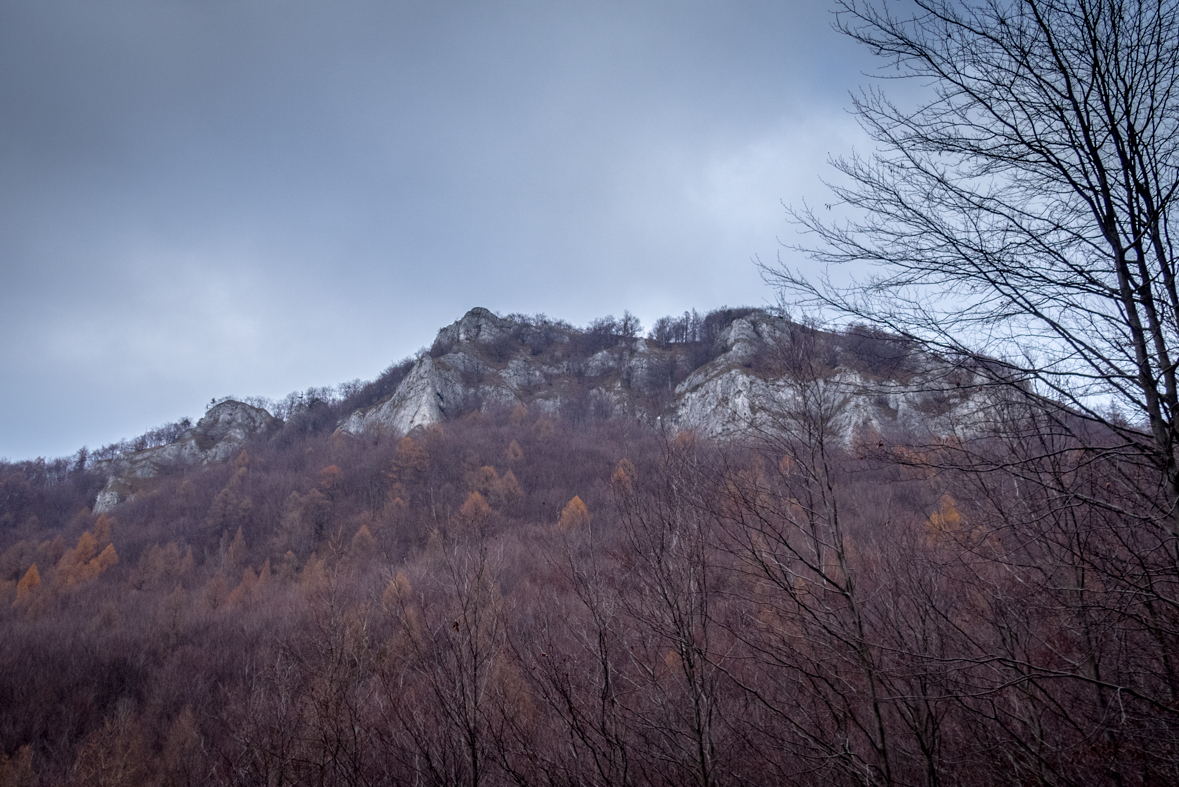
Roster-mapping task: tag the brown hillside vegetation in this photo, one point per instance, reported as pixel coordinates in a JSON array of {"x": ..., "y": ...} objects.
[{"x": 615, "y": 608}]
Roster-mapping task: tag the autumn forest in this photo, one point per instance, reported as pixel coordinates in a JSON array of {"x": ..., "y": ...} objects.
[
  {"x": 539, "y": 598},
  {"x": 919, "y": 526}
]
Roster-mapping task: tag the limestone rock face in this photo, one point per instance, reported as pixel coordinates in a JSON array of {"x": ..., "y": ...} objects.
[
  {"x": 420, "y": 400},
  {"x": 859, "y": 382},
  {"x": 746, "y": 337},
  {"x": 739, "y": 388},
  {"x": 483, "y": 360},
  {"x": 226, "y": 427},
  {"x": 721, "y": 405},
  {"x": 477, "y": 325},
  {"x": 736, "y": 403},
  {"x": 750, "y": 389},
  {"x": 470, "y": 371},
  {"x": 220, "y": 434}
]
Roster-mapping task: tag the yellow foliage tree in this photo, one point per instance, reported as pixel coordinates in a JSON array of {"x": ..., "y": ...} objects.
[
  {"x": 509, "y": 490},
  {"x": 82, "y": 563},
  {"x": 364, "y": 546},
  {"x": 395, "y": 505},
  {"x": 107, "y": 558},
  {"x": 27, "y": 585},
  {"x": 102, "y": 530},
  {"x": 329, "y": 479},
  {"x": 397, "y": 591},
  {"x": 944, "y": 522},
  {"x": 86, "y": 549},
  {"x": 515, "y": 453},
  {"x": 518, "y": 416},
  {"x": 623, "y": 479},
  {"x": 574, "y": 515},
  {"x": 235, "y": 555},
  {"x": 410, "y": 462},
  {"x": 313, "y": 577},
  {"x": 245, "y": 588},
  {"x": 485, "y": 480},
  {"x": 475, "y": 510}
]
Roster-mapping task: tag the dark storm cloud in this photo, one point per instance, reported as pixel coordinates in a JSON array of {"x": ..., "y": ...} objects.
[{"x": 200, "y": 198}]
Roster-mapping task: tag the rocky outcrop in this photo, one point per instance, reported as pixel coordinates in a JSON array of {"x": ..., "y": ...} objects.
[
  {"x": 422, "y": 398},
  {"x": 739, "y": 377},
  {"x": 483, "y": 360},
  {"x": 734, "y": 403},
  {"x": 850, "y": 381},
  {"x": 228, "y": 426},
  {"x": 478, "y": 325},
  {"x": 744, "y": 387},
  {"x": 225, "y": 428}
]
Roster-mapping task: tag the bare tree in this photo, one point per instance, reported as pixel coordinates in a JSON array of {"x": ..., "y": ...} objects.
[
  {"x": 1020, "y": 210},
  {"x": 443, "y": 678},
  {"x": 819, "y": 672},
  {"x": 671, "y": 590}
]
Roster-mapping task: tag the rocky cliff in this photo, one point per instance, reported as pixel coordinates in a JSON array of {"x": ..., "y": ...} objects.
[
  {"x": 225, "y": 428},
  {"x": 750, "y": 372},
  {"x": 750, "y": 377}
]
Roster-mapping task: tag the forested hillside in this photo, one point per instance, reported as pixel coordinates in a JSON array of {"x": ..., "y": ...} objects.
[
  {"x": 519, "y": 597},
  {"x": 927, "y": 536}
]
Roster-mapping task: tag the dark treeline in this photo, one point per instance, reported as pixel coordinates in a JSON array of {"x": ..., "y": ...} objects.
[{"x": 518, "y": 598}]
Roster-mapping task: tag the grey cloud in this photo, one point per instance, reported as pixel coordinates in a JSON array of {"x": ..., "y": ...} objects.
[{"x": 199, "y": 198}]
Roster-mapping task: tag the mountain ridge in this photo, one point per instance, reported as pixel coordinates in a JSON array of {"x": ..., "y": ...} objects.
[{"x": 732, "y": 374}]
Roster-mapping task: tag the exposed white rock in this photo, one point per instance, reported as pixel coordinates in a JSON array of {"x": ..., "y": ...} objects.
[
  {"x": 522, "y": 375},
  {"x": 482, "y": 361},
  {"x": 434, "y": 389},
  {"x": 226, "y": 427},
  {"x": 743, "y": 341},
  {"x": 736, "y": 402},
  {"x": 477, "y": 325},
  {"x": 220, "y": 434},
  {"x": 721, "y": 405},
  {"x": 603, "y": 362},
  {"x": 417, "y": 401},
  {"x": 107, "y": 499}
]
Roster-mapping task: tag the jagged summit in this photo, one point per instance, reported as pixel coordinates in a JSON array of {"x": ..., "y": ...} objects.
[{"x": 478, "y": 325}]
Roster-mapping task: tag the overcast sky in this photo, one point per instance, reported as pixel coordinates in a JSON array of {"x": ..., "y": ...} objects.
[{"x": 210, "y": 197}]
